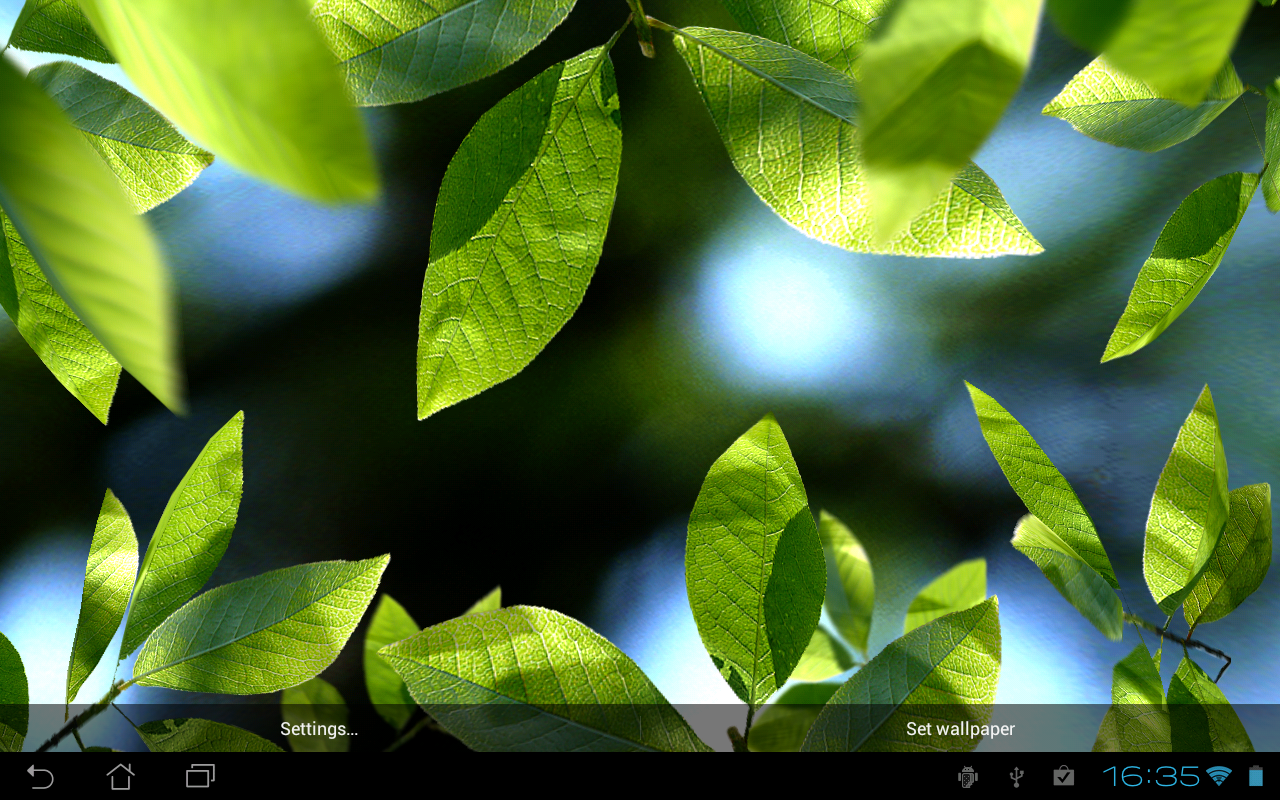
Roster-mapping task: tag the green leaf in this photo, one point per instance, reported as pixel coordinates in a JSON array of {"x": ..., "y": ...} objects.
[
  {"x": 825, "y": 657},
  {"x": 1240, "y": 560},
  {"x": 490, "y": 602},
  {"x": 1189, "y": 249},
  {"x": 1271, "y": 174},
  {"x": 1071, "y": 575},
  {"x": 192, "y": 534},
  {"x": 935, "y": 81},
  {"x": 753, "y": 564},
  {"x": 525, "y": 678},
  {"x": 963, "y": 586},
  {"x": 311, "y": 704},
  {"x": 1088, "y": 23},
  {"x": 1105, "y": 104},
  {"x": 261, "y": 634},
  {"x": 1200, "y": 718},
  {"x": 1189, "y": 509},
  {"x": 832, "y": 31},
  {"x": 1039, "y": 483},
  {"x": 54, "y": 332},
  {"x": 389, "y": 695},
  {"x": 201, "y": 736},
  {"x": 81, "y": 230},
  {"x": 250, "y": 79},
  {"x": 811, "y": 171},
  {"x": 57, "y": 26},
  {"x": 851, "y": 589},
  {"x": 108, "y": 580},
  {"x": 1138, "y": 721},
  {"x": 13, "y": 698},
  {"x": 782, "y": 725},
  {"x": 399, "y": 51},
  {"x": 948, "y": 669},
  {"x": 519, "y": 225},
  {"x": 152, "y": 161}
]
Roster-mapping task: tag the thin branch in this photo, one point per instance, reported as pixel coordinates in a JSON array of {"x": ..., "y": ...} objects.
[
  {"x": 643, "y": 32},
  {"x": 89, "y": 713},
  {"x": 1136, "y": 620},
  {"x": 425, "y": 722}
]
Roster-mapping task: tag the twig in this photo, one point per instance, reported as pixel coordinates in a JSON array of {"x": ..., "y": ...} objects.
[
  {"x": 1136, "y": 620},
  {"x": 89, "y": 713}
]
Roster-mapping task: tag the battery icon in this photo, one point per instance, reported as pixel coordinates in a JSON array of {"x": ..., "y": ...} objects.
[{"x": 1255, "y": 776}]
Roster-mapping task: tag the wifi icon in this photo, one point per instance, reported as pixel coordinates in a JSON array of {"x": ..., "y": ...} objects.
[{"x": 1219, "y": 774}]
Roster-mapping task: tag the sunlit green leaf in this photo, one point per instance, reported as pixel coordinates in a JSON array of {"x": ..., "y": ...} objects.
[
  {"x": 753, "y": 564},
  {"x": 851, "y": 589},
  {"x": 1240, "y": 560},
  {"x": 782, "y": 725},
  {"x": 519, "y": 225},
  {"x": 316, "y": 703},
  {"x": 1200, "y": 718},
  {"x": 108, "y": 580},
  {"x": 788, "y": 123},
  {"x": 201, "y": 736},
  {"x": 825, "y": 657},
  {"x": 832, "y": 31},
  {"x": 525, "y": 678},
  {"x": 152, "y": 161},
  {"x": 1138, "y": 721},
  {"x": 1038, "y": 482},
  {"x": 1189, "y": 509},
  {"x": 1105, "y": 104},
  {"x": 13, "y": 698},
  {"x": 57, "y": 26},
  {"x": 944, "y": 672},
  {"x": 490, "y": 602},
  {"x": 963, "y": 586},
  {"x": 250, "y": 79},
  {"x": 261, "y": 634},
  {"x": 81, "y": 230},
  {"x": 54, "y": 332},
  {"x": 399, "y": 51},
  {"x": 1071, "y": 575},
  {"x": 390, "y": 697},
  {"x": 1271, "y": 177},
  {"x": 1189, "y": 249},
  {"x": 192, "y": 534},
  {"x": 935, "y": 81}
]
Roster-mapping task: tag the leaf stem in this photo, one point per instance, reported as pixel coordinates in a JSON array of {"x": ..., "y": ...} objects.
[
  {"x": 643, "y": 31},
  {"x": 89, "y": 713},
  {"x": 1139, "y": 621},
  {"x": 426, "y": 722}
]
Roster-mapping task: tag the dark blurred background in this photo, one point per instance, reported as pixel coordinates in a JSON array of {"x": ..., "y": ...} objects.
[{"x": 571, "y": 484}]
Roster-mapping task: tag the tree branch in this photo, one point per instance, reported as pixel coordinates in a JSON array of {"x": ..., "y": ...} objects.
[
  {"x": 1142, "y": 623},
  {"x": 84, "y": 716}
]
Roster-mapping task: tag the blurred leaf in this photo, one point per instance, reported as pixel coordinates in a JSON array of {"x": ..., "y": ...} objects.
[
  {"x": 192, "y": 534},
  {"x": 935, "y": 81},
  {"x": 1189, "y": 509},
  {"x": 1271, "y": 175},
  {"x": 1240, "y": 560},
  {"x": 519, "y": 225},
  {"x": 74, "y": 218},
  {"x": 963, "y": 586},
  {"x": 753, "y": 564},
  {"x": 951, "y": 664},
  {"x": 1189, "y": 249},
  {"x": 1071, "y": 575},
  {"x": 261, "y": 634},
  {"x": 316, "y": 702},
  {"x": 13, "y": 698},
  {"x": 389, "y": 695},
  {"x": 761, "y": 91},
  {"x": 1088, "y": 23},
  {"x": 57, "y": 26},
  {"x": 200, "y": 736},
  {"x": 1039, "y": 483},
  {"x": 851, "y": 596},
  {"x": 1138, "y": 721},
  {"x": 250, "y": 79},
  {"x": 399, "y": 51},
  {"x": 490, "y": 602},
  {"x": 832, "y": 31},
  {"x": 147, "y": 155},
  {"x": 108, "y": 580},
  {"x": 1200, "y": 718},
  {"x": 1105, "y": 104},
  {"x": 54, "y": 332},
  {"x": 825, "y": 657},
  {"x": 782, "y": 725},
  {"x": 525, "y": 678}
]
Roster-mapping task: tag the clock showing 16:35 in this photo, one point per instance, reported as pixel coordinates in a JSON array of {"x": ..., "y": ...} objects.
[{"x": 1160, "y": 776}]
